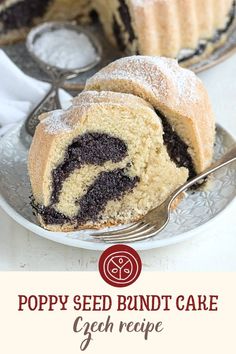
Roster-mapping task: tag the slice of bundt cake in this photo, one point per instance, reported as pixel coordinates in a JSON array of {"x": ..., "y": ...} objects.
[
  {"x": 113, "y": 156},
  {"x": 101, "y": 162}
]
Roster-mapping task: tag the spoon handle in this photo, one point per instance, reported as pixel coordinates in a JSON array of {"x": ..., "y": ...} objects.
[
  {"x": 50, "y": 101},
  {"x": 57, "y": 98},
  {"x": 225, "y": 160}
]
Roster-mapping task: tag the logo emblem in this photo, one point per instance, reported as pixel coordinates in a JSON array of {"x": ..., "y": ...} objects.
[{"x": 120, "y": 265}]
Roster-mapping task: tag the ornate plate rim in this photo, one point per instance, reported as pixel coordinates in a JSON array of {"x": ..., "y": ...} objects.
[{"x": 55, "y": 236}]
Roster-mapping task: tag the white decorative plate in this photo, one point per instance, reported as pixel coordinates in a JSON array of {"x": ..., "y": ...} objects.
[{"x": 191, "y": 216}]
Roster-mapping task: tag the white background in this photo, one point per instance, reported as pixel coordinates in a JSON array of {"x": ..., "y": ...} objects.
[{"x": 212, "y": 250}]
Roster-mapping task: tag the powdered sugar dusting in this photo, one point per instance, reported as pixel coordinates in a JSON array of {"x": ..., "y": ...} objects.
[
  {"x": 184, "y": 80},
  {"x": 56, "y": 122},
  {"x": 159, "y": 75},
  {"x": 65, "y": 49},
  {"x": 145, "y": 2}
]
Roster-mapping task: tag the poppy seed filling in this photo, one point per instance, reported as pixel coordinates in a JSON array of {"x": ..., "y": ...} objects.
[
  {"x": 109, "y": 185},
  {"x": 125, "y": 17},
  {"x": 22, "y": 14},
  {"x": 96, "y": 148},
  {"x": 176, "y": 147},
  {"x": 90, "y": 149},
  {"x": 87, "y": 149}
]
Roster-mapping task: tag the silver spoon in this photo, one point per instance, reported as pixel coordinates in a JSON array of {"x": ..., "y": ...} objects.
[
  {"x": 157, "y": 219},
  {"x": 56, "y": 74}
]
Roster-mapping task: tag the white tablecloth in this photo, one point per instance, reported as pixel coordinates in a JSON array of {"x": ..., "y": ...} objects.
[{"x": 213, "y": 250}]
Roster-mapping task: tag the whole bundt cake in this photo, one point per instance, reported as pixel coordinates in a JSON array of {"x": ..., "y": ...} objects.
[
  {"x": 141, "y": 128},
  {"x": 174, "y": 28}
]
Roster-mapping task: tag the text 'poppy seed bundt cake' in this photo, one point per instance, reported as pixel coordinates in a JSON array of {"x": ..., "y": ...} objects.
[
  {"x": 173, "y": 28},
  {"x": 141, "y": 128}
]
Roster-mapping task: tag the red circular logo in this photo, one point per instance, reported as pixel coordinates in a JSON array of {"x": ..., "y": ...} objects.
[{"x": 120, "y": 265}]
